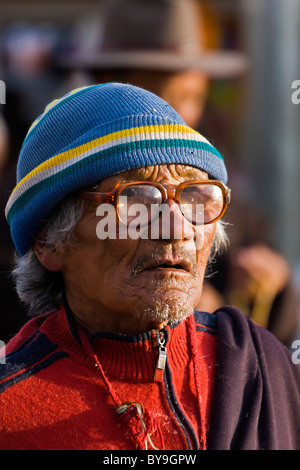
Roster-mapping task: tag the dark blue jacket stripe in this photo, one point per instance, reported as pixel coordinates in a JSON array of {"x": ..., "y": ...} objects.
[
  {"x": 206, "y": 319},
  {"x": 32, "y": 356},
  {"x": 32, "y": 370},
  {"x": 177, "y": 411},
  {"x": 22, "y": 346},
  {"x": 206, "y": 330}
]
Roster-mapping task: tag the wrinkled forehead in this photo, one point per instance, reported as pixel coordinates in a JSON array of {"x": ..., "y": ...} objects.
[{"x": 155, "y": 173}]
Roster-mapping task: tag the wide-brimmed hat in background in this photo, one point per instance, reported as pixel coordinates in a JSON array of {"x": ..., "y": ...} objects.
[{"x": 165, "y": 35}]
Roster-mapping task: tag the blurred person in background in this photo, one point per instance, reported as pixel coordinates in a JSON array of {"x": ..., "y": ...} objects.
[
  {"x": 31, "y": 80},
  {"x": 163, "y": 46},
  {"x": 159, "y": 45},
  {"x": 4, "y": 145}
]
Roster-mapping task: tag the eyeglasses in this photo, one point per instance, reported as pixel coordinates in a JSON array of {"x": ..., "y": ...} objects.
[{"x": 201, "y": 202}]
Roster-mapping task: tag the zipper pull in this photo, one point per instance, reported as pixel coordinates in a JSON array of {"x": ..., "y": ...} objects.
[{"x": 162, "y": 358}]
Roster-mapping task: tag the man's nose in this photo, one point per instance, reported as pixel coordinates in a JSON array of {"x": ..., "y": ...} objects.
[{"x": 171, "y": 224}]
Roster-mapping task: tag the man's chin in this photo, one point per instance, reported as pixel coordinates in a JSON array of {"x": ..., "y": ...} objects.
[{"x": 166, "y": 314}]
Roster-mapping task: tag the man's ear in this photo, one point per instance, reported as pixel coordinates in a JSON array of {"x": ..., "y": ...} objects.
[{"x": 49, "y": 257}]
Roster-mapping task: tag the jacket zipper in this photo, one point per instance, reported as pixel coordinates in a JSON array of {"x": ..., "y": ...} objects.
[
  {"x": 162, "y": 366},
  {"x": 162, "y": 357}
]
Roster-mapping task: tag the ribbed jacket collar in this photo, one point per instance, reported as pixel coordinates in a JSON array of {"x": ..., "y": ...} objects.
[{"x": 127, "y": 357}]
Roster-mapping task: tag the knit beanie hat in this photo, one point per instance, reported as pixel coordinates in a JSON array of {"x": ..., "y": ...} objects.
[{"x": 92, "y": 133}]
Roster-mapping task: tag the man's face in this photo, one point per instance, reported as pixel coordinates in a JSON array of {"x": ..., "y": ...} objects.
[{"x": 133, "y": 285}]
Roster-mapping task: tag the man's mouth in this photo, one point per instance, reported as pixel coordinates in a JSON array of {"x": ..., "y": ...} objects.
[
  {"x": 167, "y": 262},
  {"x": 170, "y": 265},
  {"x": 181, "y": 262}
]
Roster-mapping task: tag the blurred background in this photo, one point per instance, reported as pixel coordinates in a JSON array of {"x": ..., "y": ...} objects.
[{"x": 50, "y": 47}]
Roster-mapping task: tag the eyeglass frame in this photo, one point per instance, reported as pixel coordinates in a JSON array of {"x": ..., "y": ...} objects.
[{"x": 111, "y": 197}]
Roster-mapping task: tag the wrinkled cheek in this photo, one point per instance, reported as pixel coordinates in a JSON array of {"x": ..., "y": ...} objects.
[{"x": 202, "y": 238}]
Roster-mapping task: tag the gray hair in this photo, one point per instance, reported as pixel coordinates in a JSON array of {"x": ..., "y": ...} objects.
[{"x": 42, "y": 290}]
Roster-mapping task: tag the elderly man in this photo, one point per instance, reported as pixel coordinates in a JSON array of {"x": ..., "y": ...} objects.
[{"x": 115, "y": 215}]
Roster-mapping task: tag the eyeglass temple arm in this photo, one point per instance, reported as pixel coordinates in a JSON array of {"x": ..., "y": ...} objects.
[
  {"x": 96, "y": 196},
  {"x": 228, "y": 194}
]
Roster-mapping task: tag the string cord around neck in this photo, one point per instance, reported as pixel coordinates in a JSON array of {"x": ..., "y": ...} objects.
[{"x": 140, "y": 425}]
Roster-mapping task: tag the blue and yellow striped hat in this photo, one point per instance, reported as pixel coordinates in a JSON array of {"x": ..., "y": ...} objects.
[{"x": 92, "y": 133}]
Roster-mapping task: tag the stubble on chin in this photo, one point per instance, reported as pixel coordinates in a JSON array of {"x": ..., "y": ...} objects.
[
  {"x": 169, "y": 302},
  {"x": 165, "y": 314}
]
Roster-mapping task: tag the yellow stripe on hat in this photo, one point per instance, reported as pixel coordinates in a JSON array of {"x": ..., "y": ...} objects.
[{"x": 154, "y": 130}]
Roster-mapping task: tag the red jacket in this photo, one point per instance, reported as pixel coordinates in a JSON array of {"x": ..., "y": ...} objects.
[{"x": 53, "y": 395}]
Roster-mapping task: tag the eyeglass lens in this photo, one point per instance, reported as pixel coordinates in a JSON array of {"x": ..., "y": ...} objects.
[{"x": 200, "y": 203}]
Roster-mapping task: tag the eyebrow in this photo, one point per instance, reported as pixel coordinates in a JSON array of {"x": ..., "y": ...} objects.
[{"x": 146, "y": 172}]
